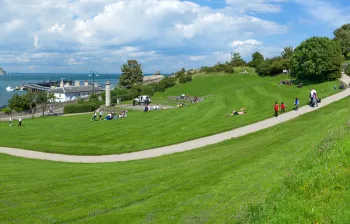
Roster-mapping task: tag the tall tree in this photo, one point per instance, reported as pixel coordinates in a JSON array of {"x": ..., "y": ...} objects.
[
  {"x": 317, "y": 58},
  {"x": 287, "y": 55},
  {"x": 257, "y": 58},
  {"x": 44, "y": 99},
  {"x": 342, "y": 35},
  {"x": 31, "y": 98},
  {"x": 237, "y": 60},
  {"x": 131, "y": 74}
]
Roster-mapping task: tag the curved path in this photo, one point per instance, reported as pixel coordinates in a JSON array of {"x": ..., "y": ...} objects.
[{"x": 181, "y": 147}]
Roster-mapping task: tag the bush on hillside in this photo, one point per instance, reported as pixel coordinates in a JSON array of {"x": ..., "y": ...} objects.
[
  {"x": 227, "y": 68},
  {"x": 18, "y": 103},
  {"x": 263, "y": 69},
  {"x": 147, "y": 90},
  {"x": 168, "y": 82},
  {"x": 114, "y": 99},
  {"x": 317, "y": 58},
  {"x": 80, "y": 108},
  {"x": 6, "y": 110},
  {"x": 182, "y": 79},
  {"x": 188, "y": 78},
  {"x": 347, "y": 71}
]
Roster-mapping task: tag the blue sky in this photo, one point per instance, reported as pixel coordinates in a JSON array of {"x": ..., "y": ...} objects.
[{"x": 165, "y": 35}]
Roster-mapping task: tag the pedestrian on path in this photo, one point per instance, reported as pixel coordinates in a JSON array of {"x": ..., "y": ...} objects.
[
  {"x": 94, "y": 117},
  {"x": 20, "y": 122},
  {"x": 283, "y": 107},
  {"x": 296, "y": 103},
  {"x": 276, "y": 109},
  {"x": 10, "y": 121}
]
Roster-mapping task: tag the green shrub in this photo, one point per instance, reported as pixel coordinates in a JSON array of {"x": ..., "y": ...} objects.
[
  {"x": 147, "y": 90},
  {"x": 6, "y": 110},
  {"x": 114, "y": 99},
  {"x": 182, "y": 79},
  {"x": 347, "y": 71},
  {"x": 80, "y": 108},
  {"x": 188, "y": 78}
]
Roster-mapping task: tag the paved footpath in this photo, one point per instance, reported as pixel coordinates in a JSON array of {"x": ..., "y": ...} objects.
[{"x": 181, "y": 147}]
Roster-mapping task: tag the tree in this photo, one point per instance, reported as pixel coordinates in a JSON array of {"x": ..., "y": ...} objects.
[
  {"x": 18, "y": 103},
  {"x": 257, "y": 58},
  {"x": 317, "y": 58},
  {"x": 31, "y": 99},
  {"x": 44, "y": 99},
  {"x": 342, "y": 35},
  {"x": 287, "y": 55},
  {"x": 131, "y": 74},
  {"x": 237, "y": 60},
  {"x": 263, "y": 69}
]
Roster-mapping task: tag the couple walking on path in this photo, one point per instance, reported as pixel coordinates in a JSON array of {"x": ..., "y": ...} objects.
[{"x": 276, "y": 107}]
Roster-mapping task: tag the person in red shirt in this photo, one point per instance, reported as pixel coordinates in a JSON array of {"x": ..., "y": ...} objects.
[
  {"x": 283, "y": 107},
  {"x": 276, "y": 109}
]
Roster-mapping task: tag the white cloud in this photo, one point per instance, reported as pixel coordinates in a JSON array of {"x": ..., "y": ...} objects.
[
  {"x": 105, "y": 33},
  {"x": 197, "y": 58},
  {"x": 13, "y": 25},
  {"x": 261, "y": 6},
  {"x": 57, "y": 28},
  {"x": 238, "y": 43},
  {"x": 327, "y": 11},
  {"x": 36, "y": 41}
]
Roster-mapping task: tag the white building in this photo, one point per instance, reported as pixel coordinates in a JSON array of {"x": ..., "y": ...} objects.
[{"x": 69, "y": 93}]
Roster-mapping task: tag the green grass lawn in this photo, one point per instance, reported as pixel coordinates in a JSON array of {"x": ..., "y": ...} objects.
[
  {"x": 224, "y": 93},
  {"x": 207, "y": 185}
]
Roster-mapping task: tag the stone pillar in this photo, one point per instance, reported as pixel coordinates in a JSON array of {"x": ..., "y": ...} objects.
[{"x": 108, "y": 93}]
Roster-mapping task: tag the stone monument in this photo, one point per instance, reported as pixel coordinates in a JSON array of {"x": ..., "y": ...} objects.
[{"x": 108, "y": 93}]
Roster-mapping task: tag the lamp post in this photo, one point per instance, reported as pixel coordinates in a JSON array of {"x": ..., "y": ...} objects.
[{"x": 93, "y": 80}]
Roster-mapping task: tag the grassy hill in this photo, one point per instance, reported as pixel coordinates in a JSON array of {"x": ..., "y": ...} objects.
[
  {"x": 223, "y": 93},
  {"x": 213, "y": 184}
]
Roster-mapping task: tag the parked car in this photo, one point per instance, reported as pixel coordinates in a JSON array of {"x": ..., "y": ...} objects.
[{"x": 142, "y": 100}]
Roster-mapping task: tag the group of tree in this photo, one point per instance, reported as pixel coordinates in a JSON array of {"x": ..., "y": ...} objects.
[
  {"x": 30, "y": 101},
  {"x": 227, "y": 67},
  {"x": 272, "y": 66},
  {"x": 316, "y": 58},
  {"x": 183, "y": 76},
  {"x": 131, "y": 83}
]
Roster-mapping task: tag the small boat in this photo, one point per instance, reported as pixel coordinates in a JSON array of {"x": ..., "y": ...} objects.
[{"x": 9, "y": 89}]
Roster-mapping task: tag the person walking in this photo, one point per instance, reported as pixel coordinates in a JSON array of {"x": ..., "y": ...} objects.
[
  {"x": 101, "y": 113},
  {"x": 20, "y": 122},
  {"x": 283, "y": 107},
  {"x": 10, "y": 121},
  {"x": 94, "y": 117},
  {"x": 296, "y": 103},
  {"x": 276, "y": 109}
]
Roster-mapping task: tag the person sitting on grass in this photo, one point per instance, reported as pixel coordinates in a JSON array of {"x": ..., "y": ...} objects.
[{"x": 240, "y": 112}]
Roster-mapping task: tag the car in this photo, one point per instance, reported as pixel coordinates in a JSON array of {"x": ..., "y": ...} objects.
[{"x": 145, "y": 99}]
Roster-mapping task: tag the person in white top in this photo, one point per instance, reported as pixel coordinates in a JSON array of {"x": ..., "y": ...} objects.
[
  {"x": 101, "y": 113},
  {"x": 312, "y": 93},
  {"x": 154, "y": 108},
  {"x": 10, "y": 121},
  {"x": 157, "y": 107},
  {"x": 20, "y": 122}
]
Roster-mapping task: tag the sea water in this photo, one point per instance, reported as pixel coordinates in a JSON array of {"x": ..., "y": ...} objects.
[{"x": 18, "y": 79}]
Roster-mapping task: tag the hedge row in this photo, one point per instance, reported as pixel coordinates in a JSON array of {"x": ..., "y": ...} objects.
[{"x": 80, "y": 108}]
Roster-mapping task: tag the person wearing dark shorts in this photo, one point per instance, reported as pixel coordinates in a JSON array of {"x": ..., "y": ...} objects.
[
  {"x": 20, "y": 122},
  {"x": 100, "y": 115},
  {"x": 276, "y": 109}
]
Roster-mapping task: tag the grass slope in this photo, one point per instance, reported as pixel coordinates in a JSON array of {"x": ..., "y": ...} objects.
[
  {"x": 210, "y": 184},
  {"x": 77, "y": 135},
  {"x": 315, "y": 191}
]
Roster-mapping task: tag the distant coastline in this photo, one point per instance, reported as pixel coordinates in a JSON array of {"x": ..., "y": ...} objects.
[{"x": 2, "y": 72}]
